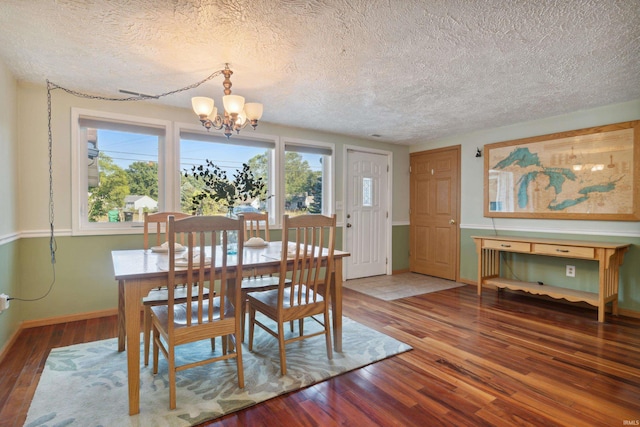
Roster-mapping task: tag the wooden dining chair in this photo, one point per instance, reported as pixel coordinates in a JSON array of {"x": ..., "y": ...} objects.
[
  {"x": 256, "y": 224},
  {"x": 202, "y": 316},
  {"x": 312, "y": 239},
  {"x": 155, "y": 230}
]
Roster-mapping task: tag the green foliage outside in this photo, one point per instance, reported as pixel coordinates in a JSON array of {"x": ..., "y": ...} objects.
[
  {"x": 111, "y": 191},
  {"x": 300, "y": 180},
  {"x": 115, "y": 183},
  {"x": 143, "y": 179},
  {"x": 316, "y": 191},
  {"x": 214, "y": 192}
]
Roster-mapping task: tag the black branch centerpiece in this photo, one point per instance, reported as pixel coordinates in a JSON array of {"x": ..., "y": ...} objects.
[{"x": 244, "y": 187}]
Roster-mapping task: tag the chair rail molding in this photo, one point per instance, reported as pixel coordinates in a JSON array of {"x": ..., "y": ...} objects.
[{"x": 553, "y": 230}]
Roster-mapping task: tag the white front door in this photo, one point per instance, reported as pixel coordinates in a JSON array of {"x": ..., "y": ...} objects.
[{"x": 367, "y": 214}]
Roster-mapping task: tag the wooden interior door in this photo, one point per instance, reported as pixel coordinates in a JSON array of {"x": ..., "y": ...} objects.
[{"x": 434, "y": 212}]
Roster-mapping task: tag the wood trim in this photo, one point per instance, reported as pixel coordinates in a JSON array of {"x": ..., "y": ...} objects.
[
  {"x": 53, "y": 321},
  {"x": 468, "y": 281},
  {"x": 629, "y": 313},
  {"x": 404, "y": 270},
  {"x": 68, "y": 318},
  {"x": 12, "y": 339},
  {"x": 621, "y": 311}
]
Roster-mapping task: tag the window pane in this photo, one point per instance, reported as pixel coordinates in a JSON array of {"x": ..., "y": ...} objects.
[
  {"x": 229, "y": 158},
  {"x": 367, "y": 189},
  {"x": 304, "y": 180},
  {"x": 122, "y": 174}
]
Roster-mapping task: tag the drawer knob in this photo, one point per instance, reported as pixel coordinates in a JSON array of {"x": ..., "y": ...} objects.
[
  {"x": 562, "y": 250},
  {"x": 503, "y": 245}
]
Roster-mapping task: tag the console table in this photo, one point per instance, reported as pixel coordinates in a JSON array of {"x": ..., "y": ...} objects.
[{"x": 608, "y": 255}]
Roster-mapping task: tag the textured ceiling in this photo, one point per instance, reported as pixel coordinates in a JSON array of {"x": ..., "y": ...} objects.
[{"x": 408, "y": 70}]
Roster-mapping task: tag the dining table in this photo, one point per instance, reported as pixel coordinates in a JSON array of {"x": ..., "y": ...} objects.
[{"x": 138, "y": 271}]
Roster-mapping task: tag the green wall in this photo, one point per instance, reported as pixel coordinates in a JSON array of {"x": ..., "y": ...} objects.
[
  {"x": 9, "y": 319},
  {"x": 400, "y": 248},
  {"x": 84, "y": 274}
]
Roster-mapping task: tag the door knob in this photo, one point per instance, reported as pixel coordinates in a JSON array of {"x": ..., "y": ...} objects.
[
  {"x": 452, "y": 221},
  {"x": 348, "y": 225}
]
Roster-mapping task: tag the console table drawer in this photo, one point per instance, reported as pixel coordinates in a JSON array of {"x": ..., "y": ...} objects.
[
  {"x": 505, "y": 245},
  {"x": 568, "y": 251}
]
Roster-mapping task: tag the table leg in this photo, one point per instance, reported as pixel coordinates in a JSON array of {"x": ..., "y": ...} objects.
[
  {"x": 121, "y": 317},
  {"x": 336, "y": 304},
  {"x": 133, "y": 296}
]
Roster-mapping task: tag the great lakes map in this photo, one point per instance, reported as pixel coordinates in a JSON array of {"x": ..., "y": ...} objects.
[{"x": 581, "y": 174}]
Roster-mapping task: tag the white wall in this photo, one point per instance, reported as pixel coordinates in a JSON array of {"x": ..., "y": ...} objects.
[
  {"x": 473, "y": 170},
  {"x": 8, "y": 156}
]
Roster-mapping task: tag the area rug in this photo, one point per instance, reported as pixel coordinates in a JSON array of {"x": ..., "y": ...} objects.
[
  {"x": 86, "y": 384},
  {"x": 390, "y": 288}
]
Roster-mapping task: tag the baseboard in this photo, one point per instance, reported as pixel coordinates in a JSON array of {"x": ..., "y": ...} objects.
[
  {"x": 68, "y": 318},
  {"x": 394, "y": 272},
  {"x": 629, "y": 313},
  {"x": 621, "y": 311},
  {"x": 14, "y": 337}
]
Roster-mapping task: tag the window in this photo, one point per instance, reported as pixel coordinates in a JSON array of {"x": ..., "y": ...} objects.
[
  {"x": 124, "y": 166},
  {"x": 308, "y": 177},
  {"x": 116, "y": 170},
  {"x": 367, "y": 190},
  {"x": 229, "y": 155}
]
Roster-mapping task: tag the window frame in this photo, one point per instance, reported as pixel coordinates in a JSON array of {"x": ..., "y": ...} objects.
[
  {"x": 328, "y": 173},
  {"x": 80, "y": 225},
  {"x": 169, "y": 169}
]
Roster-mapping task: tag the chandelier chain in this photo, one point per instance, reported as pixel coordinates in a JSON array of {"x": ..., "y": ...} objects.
[{"x": 140, "y": 97}]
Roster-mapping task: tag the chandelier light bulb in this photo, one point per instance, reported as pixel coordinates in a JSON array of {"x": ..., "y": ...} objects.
[
  {"x": 233, "y": 104},
  {"x": 242, "y": 117},
  {"x": 202, "y": 106},
  {"x": 253, "y": 110}
]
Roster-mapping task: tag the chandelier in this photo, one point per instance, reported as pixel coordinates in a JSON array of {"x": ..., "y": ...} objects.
[{"x": 237, "y": 114}]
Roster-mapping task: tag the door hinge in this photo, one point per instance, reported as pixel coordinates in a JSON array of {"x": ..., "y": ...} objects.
[
  {"x": 386, "y": 261},
  {"x": 409, "y": 169}
]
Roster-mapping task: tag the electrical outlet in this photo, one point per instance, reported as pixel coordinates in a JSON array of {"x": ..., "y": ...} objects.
[
  {"x": 4, "y": 302},
  {"x": 571, "y": 271}
]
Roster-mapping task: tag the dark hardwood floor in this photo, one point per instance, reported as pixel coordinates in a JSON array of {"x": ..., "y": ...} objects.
[{"x": 505, "y": 359}]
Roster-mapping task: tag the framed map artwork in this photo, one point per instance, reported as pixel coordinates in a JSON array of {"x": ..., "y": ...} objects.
[{"x": 589, "y": 174}]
